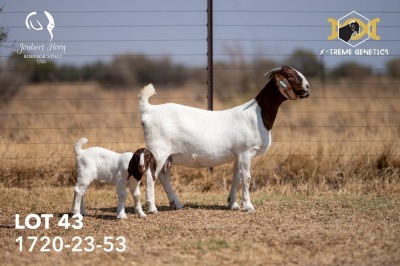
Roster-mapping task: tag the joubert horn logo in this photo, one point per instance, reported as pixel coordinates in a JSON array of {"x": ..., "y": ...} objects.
[
  {"x": 354, "y": 29},
  {"x": 50, "y": 24}
]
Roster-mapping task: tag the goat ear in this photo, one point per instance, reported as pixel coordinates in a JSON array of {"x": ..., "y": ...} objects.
[
  {"x": 153, "y": 167},
  {"x": 284, "y": 87},
  {"x": 132, "y": 165}
]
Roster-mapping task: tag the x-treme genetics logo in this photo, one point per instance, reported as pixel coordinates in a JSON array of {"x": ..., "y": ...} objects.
[{"x": 354, "y": 29}]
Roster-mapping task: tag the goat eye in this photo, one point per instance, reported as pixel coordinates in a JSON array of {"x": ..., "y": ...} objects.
[{"x": 292, "y": 78}]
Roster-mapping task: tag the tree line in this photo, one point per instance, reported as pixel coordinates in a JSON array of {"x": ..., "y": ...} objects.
[{"x": 128, "y": 70}]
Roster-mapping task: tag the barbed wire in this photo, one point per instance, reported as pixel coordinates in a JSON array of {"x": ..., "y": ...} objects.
[
  {"x": 137, "y": 113},
  {"x": 140, "y": 127},
  {"x": 275, "y": 141},
  {"x": 268, "y": 155},
  {"x": 185, "y": 98},
  {"x": 195, "y": 25},
  {"x": 266, "y": 55},
  {"x": 203, "y": 11},
  {"x": 224, "y": 83},
  {"x": 219, "y": 67}
]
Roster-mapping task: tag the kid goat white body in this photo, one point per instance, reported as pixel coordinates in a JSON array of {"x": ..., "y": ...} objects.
[
  {"x": 122, "y": 170},
  {"x": 200, "y": 138}
]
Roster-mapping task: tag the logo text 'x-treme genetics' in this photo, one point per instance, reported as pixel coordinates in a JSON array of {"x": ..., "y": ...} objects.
[{"x": 354, "y": 29}]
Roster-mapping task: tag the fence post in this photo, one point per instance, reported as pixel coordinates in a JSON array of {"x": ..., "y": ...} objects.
[{"x": 210, "y": 80}]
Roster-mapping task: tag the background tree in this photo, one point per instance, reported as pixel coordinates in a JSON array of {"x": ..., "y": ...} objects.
[
  {"x": 10, "y": 80},
  {"x": 393, "y": 67},
  {"x": 352, "y": 70},
  {"x": 305, "y": 61},
  {"x": 3, "y": 33}
]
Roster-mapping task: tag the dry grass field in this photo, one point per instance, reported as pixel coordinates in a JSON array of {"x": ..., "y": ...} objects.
[
  {"x": 327, "y": 192},
  {"x": 287, "y": 228}
]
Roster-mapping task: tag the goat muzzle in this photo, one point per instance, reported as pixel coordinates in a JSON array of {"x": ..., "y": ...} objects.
[
  {"x": 305, "y": 95},
  {"x": 305, "y": 92},
  {"x": 142, "y": 169}
]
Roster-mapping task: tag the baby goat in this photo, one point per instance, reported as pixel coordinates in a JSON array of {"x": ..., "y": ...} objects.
[
  {"x": 106, "y": 166},
  {"x": 199, "y": 138}
]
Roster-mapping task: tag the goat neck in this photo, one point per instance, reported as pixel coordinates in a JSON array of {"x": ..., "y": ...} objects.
[{"x": 269, "y": 99}]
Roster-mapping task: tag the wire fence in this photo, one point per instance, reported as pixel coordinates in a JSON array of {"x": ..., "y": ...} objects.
[{"x": 193, "y": 48}]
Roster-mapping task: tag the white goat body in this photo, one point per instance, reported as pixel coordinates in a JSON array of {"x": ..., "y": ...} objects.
[
  {"x": 200, "y": 138},
  {"x": 109, "y": 167}
]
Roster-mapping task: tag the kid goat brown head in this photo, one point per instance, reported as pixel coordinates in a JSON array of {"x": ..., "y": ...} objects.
[{"x": 142, "y": 160}]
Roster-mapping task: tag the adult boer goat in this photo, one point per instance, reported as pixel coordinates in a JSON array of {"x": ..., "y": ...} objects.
[{"x": 192, "y": 137}]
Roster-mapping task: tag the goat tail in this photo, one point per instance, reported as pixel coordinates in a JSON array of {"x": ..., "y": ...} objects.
[
  {"x": 78, "y": 146},
  {"x": 145, "y": 94}
]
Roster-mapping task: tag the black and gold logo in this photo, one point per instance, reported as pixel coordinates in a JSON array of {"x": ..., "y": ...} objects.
[{"x": 354, "y": 29}]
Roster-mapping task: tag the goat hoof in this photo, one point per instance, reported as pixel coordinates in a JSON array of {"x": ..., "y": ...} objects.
[
  {"x": 141, "y": 215},
  {"x": 234, "y": 206},
  {"x": 153, "y": 210},
  {"x": 180, "y": 206},
  {"x": 83, "y": 213},
  {"x": 151, "y": 207},
  {"x": 248, "y": 207},
  {"x": 177, "y": 205},
  {"x": 122, "y": 216}
]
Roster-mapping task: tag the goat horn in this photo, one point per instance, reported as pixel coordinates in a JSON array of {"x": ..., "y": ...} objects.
[{"x": 272, "y": 70}]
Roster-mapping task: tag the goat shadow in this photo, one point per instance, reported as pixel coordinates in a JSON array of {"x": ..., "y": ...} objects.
[
  {"x": 212, "y": 207},
  {"x": 162, "y": 208},
  {"x": 104, "y": 213},
  {"x": 100, "y": 213},
  {"x": 110, "y": 213},
  {"x": 97, "y": 216}
]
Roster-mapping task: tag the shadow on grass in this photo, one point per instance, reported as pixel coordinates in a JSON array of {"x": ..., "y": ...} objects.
[
  {"x": 205, "y": 207},
  {"x": 163, "y": 208},
  {"x": 7, "y": 226},
  {"x": 96, "y": 215},
  {"x": 113, "y": 210},
  {"x": 110, "y": 213}
]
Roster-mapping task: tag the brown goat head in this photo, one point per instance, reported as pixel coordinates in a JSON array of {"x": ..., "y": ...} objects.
[
  {"x": 142, "y": 160},
  {"x": 290, "y": 82}
]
